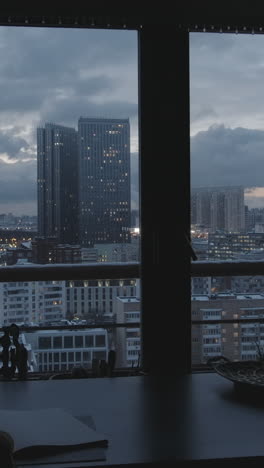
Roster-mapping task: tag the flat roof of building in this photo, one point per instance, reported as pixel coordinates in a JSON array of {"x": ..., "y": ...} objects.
[
  {"x": 128, "y": 299},
  {"x": 206, "y": 297}
]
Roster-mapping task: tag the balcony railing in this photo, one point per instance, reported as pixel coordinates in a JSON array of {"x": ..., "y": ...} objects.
[
  {"x": 226, "y": 268},
  {"x": 66, "y": 271}
]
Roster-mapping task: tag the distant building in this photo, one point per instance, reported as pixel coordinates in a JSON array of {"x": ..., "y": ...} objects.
[
  {"x": 127, "y": 252},
  {"x": 201, "y": 285},
  {"x": 104, "y": 180},
  {"x": 224, "y": 246},
  {"x": 48, "y": 250},
  {"x": 236, "y": 341},
  {"x": 95, "y": 298},
  {"x": 89, "y": 255},
  {"x": 15, "y": 254},
  {"x": 127, "y": 340},
  {"x": 58, "y": 350},
  {"x": 57, "y": 160},
  {"x": 218, "y": 208},
  {"x": 200, "y": 247},
  {"x": 32, "y": 302}
]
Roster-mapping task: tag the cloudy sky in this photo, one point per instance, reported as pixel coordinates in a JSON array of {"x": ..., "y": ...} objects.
[
  {"x": 58, "y": 75},
  {"x": 227, "y": 112}
]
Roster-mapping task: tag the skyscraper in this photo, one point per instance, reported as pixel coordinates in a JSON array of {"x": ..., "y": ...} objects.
[
  {"x": 58, "y": 183},
  {"x": 219, "y": 208},
  {"x": 104, "y": 180}
]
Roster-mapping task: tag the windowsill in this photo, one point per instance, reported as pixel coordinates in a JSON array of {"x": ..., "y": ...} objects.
[{"x": 194, "y": 418}]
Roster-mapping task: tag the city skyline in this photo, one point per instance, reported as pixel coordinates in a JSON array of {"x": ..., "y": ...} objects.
[{"x": 100, "y": 80}]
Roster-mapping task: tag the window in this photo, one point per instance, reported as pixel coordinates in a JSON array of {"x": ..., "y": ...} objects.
[
  {"x": 99, "y": 340},
  {"x": 175, "y": 92},
  {"x": 89, "y": 341},
  {"x": 44, "y": 342},
  {"x": 99, "y": 355},
  {"x": 78, "y": 341},
  {"x": 57, "y": 342},
  {"x": 68, "y": 342},
  {"x": 67, "y": 110}
]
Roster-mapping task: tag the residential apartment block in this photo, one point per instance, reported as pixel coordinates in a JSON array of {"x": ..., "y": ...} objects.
[
  {"x": 236, "y": 341},
  {"x": 127, "y": 340},
  {"x": 95, "y": 298},
  {"x": 35, "y": 301}
]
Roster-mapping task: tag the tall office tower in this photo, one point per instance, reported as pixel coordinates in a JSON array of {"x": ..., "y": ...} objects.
[
  {"x": 104, "y": 180},
  {"x": 58, "y": 183}
]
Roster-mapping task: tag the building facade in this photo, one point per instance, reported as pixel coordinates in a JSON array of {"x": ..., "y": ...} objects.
[
  {"x": 127, "y": 340},
  {"x": 58, "y": 350},
  {"x": 235, "y": 246},
  {"x": 104, "y": 180},
  {"x": 32, "y": 302},
  {"x": 236, "y": 341},
  {"x": 57, "y": 159},
  {"x": 95, "y": 298},
  {"x": 218, "y": 208}
]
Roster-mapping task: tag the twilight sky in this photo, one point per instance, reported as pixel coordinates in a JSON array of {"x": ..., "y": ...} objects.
[{"x": 58, "y": 75}]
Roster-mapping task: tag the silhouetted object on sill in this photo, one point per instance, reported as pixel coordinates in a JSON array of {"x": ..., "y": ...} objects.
[
  {"x": 79, "y": 372},
  {"x": 22, "y": 360},
  {"x": 5, "y": 343},
  {"x": 111, "y": 362},
  {"x": 14, "y": 331},
  {"x": 6, "y": 450},
  {"x": 102, "y": 368},
  {"x": 13, "y": 360},
  {"x": 95, "y": 367}
]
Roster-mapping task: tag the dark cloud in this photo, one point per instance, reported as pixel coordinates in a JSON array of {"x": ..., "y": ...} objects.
[
  {"x": 68, "y": 111},
  {"x": 18, "y": 182},
  {"x": 226, "y": 156},
  {"x": 13, "y": 145},
  {"x": 226, "y": 79},
  {"x": 41, "y": 65}
]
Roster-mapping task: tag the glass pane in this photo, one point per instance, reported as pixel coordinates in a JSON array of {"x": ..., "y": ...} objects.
[
  {"x": 227, "y": 143},
  {"x": 79, "y": 341},
  {"x": 57, "y": 342},
  {"x": 69, "y": 146}
]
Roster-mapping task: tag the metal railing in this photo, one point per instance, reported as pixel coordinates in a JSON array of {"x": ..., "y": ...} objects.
[
  {"x": 64, "y": 271},
  {"x": 202, "y": 268}
]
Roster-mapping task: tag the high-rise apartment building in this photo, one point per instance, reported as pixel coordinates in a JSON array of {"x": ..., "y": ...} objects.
[
  {"x": 104, "y": 180},
  {"x": 218, "y": 208},
  {"x": 127, "y": 340},
  {"x": 35, "y": 301},
  {"x": 237, "y": 341},
  {"x": 58, "y": 183}
]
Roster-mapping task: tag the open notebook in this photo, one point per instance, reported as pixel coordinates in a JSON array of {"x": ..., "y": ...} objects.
[{"x": 51, "y": 430}]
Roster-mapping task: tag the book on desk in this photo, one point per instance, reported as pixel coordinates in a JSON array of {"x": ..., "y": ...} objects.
[{"x": 51, "y": 434}]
